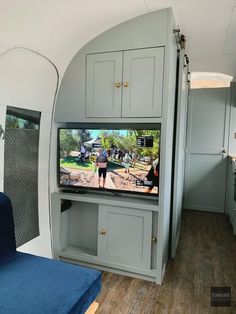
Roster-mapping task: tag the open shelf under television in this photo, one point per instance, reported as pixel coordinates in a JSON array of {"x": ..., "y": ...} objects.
[
  {"x": 76, "y": 250},
  {"x": 144, "y": 203}
]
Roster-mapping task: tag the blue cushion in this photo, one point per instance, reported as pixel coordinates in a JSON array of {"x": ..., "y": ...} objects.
[
  {"x": 7, "y": 234},
  {"x": 36, "y": 285}
]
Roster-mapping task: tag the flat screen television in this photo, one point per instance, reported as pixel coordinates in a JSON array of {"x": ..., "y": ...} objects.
[{"x": 112, "y": 160}]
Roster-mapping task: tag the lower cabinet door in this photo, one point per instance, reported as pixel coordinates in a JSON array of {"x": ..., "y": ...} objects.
[{"x": 125, "y": 236}]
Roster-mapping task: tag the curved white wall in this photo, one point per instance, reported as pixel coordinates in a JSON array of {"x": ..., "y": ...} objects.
[{"x": 29, "y": 80}]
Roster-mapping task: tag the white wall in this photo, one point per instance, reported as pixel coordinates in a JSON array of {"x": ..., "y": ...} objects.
[{"x": 29, "y": 80}]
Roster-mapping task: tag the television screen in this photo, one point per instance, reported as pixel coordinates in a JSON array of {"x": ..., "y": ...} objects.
[{"x": 118, "y": 160}]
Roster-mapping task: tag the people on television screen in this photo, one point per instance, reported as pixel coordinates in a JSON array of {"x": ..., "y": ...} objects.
[
  {"x": 153, "y": 175},
  {"x": 82, "y": 153},
  {"x": 101, "y": 165},
  {"x": 126, "y": 162}
]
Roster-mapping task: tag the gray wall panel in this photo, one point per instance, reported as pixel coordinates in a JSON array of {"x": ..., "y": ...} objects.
[{"x": 21, "y": 181}]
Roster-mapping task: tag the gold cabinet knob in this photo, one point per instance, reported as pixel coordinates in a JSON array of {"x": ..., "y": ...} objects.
[
  {"x": 118, "y": 84},
  {"x": 126, "y": 84},
  {"x": 103, "y": 232},
  {"x": 154, "y": 239}
]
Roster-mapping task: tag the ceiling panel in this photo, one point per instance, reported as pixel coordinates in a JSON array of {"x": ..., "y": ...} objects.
[
  {"x": 230, "y": 42},
  {"x": 58, "y": 29},
  {"x": 200, "y": 39},
  {"x": 205, "y": 64},
  {"x": 189, "y": 4},
  {"x": 205, "y": 32},
  {"x": 205, "y": 25},
  {"x": 228, "y": 65}
]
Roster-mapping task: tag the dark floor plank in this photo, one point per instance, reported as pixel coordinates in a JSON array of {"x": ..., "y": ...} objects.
[{"x": 206, "y": 257}]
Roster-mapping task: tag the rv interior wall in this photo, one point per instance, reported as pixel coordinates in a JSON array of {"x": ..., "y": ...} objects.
[{"x": 28, "y": 80}]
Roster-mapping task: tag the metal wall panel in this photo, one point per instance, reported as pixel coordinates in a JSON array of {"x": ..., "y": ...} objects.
[{"x": 21, "y": 180}]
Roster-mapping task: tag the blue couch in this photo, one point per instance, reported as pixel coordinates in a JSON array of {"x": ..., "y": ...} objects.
[{"x": 31, "y": 284}]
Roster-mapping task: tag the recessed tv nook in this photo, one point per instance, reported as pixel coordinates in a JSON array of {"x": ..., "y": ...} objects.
[{"x": 111, "y": 159}]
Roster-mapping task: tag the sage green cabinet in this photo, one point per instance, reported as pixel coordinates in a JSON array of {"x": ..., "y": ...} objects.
[
  {"x": 103, "y": 71},
  {"x": 117, "y": 234},
  {"x": 125, "y": 236},
  {"x": 142, "y": 82},
  {"x": 125, "y": 84}
]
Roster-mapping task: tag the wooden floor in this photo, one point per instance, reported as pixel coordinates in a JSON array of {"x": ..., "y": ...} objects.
[{"x": 206, "y": 257}]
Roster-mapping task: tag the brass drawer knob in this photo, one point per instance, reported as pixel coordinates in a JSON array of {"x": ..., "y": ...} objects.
[
  {"x": 118, "y": 84},
  {"x": 126, "y": 84},
  {"x": 103, "y": 231}
]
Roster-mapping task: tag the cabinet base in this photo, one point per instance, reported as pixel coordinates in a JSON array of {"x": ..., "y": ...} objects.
[{"x": 150, "y": 277}]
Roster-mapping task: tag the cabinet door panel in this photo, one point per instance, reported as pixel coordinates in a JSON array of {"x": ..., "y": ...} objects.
[
  {"x": 103, "y": 98},
  {"x": 127, "y": 238},
  {"x": 143, "y": 71}
]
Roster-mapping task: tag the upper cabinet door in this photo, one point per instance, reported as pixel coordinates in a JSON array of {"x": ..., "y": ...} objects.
[
  {"x": 104, "y": 85},
  {"x": 142, "y": 82}
]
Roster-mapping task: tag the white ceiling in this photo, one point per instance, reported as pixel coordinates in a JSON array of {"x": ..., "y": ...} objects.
[{"x": 59, "y": 28}]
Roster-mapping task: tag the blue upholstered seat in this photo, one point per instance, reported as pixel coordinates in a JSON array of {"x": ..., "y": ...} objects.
[
  {"x": 7, "y": 233},
  {"x": 36, "y": 285}
]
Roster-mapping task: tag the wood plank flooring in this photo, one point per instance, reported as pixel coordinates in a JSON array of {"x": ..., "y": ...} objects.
[{"x": 206, "y": 257}]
